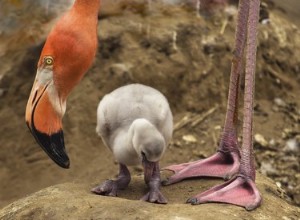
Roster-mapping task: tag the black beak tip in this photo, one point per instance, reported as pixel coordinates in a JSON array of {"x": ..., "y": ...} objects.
[
  {"x": 63, "y": 163},
  {"x": 54, "y": 146}
]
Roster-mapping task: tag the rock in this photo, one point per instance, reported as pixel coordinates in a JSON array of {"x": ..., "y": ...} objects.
[
  {"x": 14, "y": 14},
  {"x": 189, "y": 138},
  {"x": 292, "y": 146},
  {"x": 272, "y": 143},
  {"x": 260, "y": 140},
  {"x": 278, "y": 184},
  {"x": 279, "y": 102},
  {"x": 121, "y": 70},
  {"x": 267, "y": 169},
  {"x": 289, "y": 133},
  {"x": 74, "y": 201}
]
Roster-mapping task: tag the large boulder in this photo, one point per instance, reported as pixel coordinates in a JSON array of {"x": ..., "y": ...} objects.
[{"x": 74, "y": 201}]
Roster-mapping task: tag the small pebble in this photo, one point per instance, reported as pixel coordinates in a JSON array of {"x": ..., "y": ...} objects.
[
  {"x": 279, "y": 102},
  {"x": 272, "y": 143},
  {"x": 218, "y": 127},
  {"x": 189, "y": 138},
  {"x": 191, "y": 189},
  {"x": 120, "y": 70},
  {"x": 278, "y": 184},
  {"x": 260, "y": 140},
  {"x": 268, "y": 169},
  {"x": 292, "y": 146}
]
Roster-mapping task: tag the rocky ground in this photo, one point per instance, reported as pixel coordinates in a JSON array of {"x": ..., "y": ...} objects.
[
  {"x": 185, "y": 56},
  {"x": 73, "y": 201}
]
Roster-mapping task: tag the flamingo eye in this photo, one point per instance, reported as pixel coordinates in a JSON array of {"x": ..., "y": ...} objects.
[{"x": 48, "y": 61}]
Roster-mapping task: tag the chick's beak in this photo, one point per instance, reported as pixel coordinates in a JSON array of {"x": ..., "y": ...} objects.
[{"x": 44, "y": 120}]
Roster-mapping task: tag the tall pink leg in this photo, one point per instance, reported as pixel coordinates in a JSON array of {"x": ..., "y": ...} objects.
[
  {"x": 224, "y": 163},
  {"x": 242, "y": 190}
]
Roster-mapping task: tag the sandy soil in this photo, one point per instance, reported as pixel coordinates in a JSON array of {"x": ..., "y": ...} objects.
[
  {"x": 188, "y": 59},
  {"x": 290, "y": 9}
]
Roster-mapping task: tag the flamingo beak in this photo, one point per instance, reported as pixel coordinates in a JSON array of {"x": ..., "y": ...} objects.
[{"x": 44, "y": 113}]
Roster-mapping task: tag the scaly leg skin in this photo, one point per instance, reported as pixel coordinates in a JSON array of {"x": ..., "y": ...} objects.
[
  {"x": 111, "y": 187},
  {"x": 242, "y": 190},
  {"x": 152, "y": 179}
]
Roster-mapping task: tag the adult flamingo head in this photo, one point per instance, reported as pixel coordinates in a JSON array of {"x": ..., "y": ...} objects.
[{"x": 67, "y": 55}]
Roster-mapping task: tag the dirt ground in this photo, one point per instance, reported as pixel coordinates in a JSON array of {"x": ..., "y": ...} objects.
[{"x": 187, "y": 58}]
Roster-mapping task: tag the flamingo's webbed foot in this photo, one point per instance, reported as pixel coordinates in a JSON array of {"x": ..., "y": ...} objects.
[
  {"x": 155, "y": 196},
  {"x": 240, "y": 191},
  {"x": 108, "y": 188},
  {"x": 223, "y": 165},
  {"x": 111, "y": 187}
]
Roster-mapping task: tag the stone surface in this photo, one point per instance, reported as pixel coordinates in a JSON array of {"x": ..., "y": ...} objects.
[{"x": 74, "y": 201}]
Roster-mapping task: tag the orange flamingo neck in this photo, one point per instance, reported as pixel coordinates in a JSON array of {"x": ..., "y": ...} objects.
[{"x": 87, "y": 7}]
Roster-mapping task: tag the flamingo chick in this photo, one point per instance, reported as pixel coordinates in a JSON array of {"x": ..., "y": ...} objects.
[
  {"x": 135, "y": 122},
  {"x": 67, "y": 55}
]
